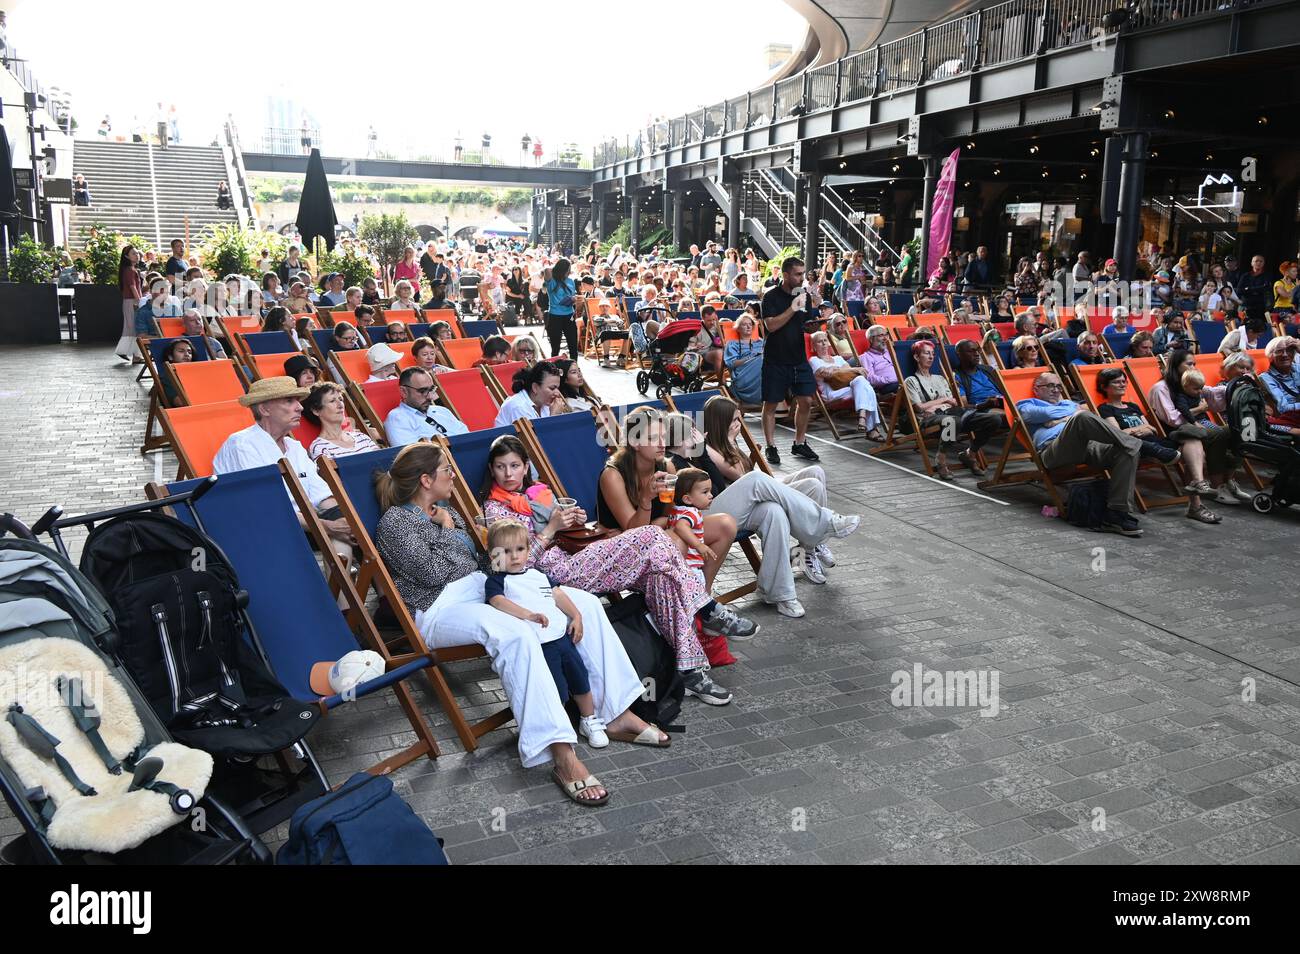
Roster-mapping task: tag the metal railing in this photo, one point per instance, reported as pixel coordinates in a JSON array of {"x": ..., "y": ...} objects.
[
  {"x": 853, "y": 224},
  {"x": 998, "y": 34},
  {"x": 279, "y": 141}
]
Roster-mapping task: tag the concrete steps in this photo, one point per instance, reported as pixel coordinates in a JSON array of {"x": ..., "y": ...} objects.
[{"x": 123, "y": 193}]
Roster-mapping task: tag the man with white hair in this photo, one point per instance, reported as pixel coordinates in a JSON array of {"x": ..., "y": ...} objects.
[
  {"x": 1283, "y": 382},
  {"x": 195, "y": 327},
  {"x": 276, "y": 404}
]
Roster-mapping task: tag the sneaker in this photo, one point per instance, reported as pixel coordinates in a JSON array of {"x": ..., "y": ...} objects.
[
  {"x": 772, "y": 455},
  {"x": 727, "y": 622},
  {"x": 842, "y": 526},
  {"x": 824, "y": 554},
  {"x": 804, "y": 451},
  {"x": 791, "y": 607},
  {"x": 1225, "y": 496},
  {"x": 1200, "y": 487},
  {"x": 1203, "y": 514},
  {"x": 699, "y": 685},
  {"x": 1166, "y": 455},
  {"x": 796, "y": 558},
  {"x": 1235, "y": 489},
  {"x": 593, "y": 729},
  {"x": 1122, "y": 523},
  {"x": 812, "y": 568}
]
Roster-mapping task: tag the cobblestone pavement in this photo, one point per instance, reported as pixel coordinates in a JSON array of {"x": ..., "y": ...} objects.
[{"x": 1121, "y": 690}]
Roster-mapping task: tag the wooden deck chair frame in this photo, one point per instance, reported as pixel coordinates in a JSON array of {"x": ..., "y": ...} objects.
[
  {"x": 157, "y": 401},
  {"x": 1086, "y": 383},
  {"x": 340, "y": 583},
  {"x": 178, "y": 380},
  {"x": 902, "y": 410},
  {"x": 373, "y": 573},
  {"x": 1019, "y": 432},
  {"x": 449, "y": 403},
  {"x": 495, "y": 385}
]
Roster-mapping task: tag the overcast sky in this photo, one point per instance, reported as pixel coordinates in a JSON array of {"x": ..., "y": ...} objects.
[{"x": 574, "y": 71}]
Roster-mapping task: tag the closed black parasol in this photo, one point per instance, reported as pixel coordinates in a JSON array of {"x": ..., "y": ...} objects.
[{"x": 316, "y": 217}]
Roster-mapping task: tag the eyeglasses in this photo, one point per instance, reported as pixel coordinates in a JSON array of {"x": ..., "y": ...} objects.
[
  {"x": 448, "y": 470},
  {"x": 420, "y": 390},
  {"x": 1050, "y": 387}
]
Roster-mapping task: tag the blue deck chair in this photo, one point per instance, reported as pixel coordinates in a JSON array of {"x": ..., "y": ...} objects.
[
  {"x": 569, "y": 453},
  {"x": 269, "y": 342},
  {"x": 295, "y": 615},
  {"x": 351, "y": 479},
  {"x": 693, "y": 402},
  {"x": 1006, "y": 355},
  {"x": 730, "y": 314},
  {"x": 480, "y": 329},
  {"x": 378, "y": 333},
  {"x": 745, "y": 295},
  {"x": 1120, "y": 343},
  {"x": 1209, "y": 335},
  {"x": 900, "y": 302}
]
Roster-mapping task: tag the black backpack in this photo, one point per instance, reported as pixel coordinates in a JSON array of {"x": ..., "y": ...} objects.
[
  {"x": 653, "y": 660},
  {"x": 1247, "y": 413},
  {"x": 182, "y": 634},
  {"x": 1085, "y": 506}
]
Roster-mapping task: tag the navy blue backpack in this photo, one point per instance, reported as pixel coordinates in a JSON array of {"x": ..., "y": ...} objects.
[{"x": 364, "y": 822}]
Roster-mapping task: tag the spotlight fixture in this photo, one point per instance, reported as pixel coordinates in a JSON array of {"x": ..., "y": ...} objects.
[
  {"x": 1033, "y": 150},
  {"x": 966, "y": 184},
  {"x": 1262, "y": 120},
  {"x": 894, "y": 167},
  {"x": 844, "y": 165},
  {"x": 891, "y": 181},
  {"x": 1170, "y": 114},
  {"x": 1104, "y": 104},
  {"x": 1209, "y": 157},
  {"x": 1083, "y": 175},
  {"x": 971, "y": 144},
  {"x": 1155, "y": 154},
  {"x": 1094, "y": 152},
  {"x": 1044, "y": 173},
  {"x": 907, "y": 137},
  {"x": 997, "y": 172}
]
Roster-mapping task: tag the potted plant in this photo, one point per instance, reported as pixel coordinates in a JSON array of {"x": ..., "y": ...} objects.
[
  {"x": 98, "y": 303},
  {"x": 29, "y": 300}
]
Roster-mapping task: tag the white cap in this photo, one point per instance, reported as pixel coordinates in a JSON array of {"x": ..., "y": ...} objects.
[
  {"x": 352, "y": 670},
  {"x": 382, "y": 355}
]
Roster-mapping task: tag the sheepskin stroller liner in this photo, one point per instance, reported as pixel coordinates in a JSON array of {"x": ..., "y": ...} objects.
[
  {"x": 266, "y": 769},
  {"x": 53, "y": 669}
]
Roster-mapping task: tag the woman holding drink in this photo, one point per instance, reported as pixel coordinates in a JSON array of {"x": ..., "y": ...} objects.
[{"x": 643, "y": 558}]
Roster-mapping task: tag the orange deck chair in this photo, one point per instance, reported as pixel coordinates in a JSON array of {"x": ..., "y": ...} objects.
[
  {"x": 461, "y": 353},
  {"x": 467, "y": 396},
  {"x": 197, "y": 433},
  {"x": 206, "y": 382}
]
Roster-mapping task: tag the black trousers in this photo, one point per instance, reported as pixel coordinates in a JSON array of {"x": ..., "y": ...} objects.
[{"x": 562, "y": 326}]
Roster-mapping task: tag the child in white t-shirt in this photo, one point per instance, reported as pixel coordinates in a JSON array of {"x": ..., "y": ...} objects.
[
  {"x": 693, "y": 493},
  {"x": 529, "y": 595}
]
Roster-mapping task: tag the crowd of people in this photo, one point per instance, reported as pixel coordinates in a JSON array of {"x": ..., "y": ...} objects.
[{"x": 678, "y": 492}]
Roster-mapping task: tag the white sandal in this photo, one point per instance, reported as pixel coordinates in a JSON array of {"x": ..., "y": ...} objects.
[{"x": 593, "y": 730}]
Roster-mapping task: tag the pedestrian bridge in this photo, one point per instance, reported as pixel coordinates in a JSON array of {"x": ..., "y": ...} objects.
[{"x": 536, "y": 177}]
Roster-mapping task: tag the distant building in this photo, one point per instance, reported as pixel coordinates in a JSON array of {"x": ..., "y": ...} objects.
[{"x": 777, "y": 53}]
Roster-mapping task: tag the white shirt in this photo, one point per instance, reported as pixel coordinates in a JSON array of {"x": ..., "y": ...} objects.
[
  {"x": 817, "y": 364},
  {"x": 254, "y": 447},
  {"x": 406, "y": 425},
  {"x": 519, "y": 405}
]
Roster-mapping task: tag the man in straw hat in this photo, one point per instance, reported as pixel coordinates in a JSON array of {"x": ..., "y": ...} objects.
[{"x": 277, "y": 410}]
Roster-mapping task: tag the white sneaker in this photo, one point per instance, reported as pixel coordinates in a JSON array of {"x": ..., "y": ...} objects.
[
  {"x": 842, "y": 526},
  {"x": 823, "y": 553},
  {"x": 1235, "y": 489},
  {"x": 593, "y": 729},
  {"x": 796, "y": 558},
  {"x": 791, "y": 607},
  {"x": 1225, "y": 496},
  {"x": 812, "y": 568}
]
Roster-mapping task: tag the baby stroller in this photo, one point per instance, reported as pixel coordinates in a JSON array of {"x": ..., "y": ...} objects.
[
  {"x": 184, "y": 636},
  {"x": 1253, "y": 438},
  {"x": 672, "y": 366},
  {"x": 85, "y": 765}
]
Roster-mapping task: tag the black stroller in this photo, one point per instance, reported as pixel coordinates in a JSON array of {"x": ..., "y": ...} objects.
[
  {"x": 672, "y": 365},
  {"x": 1253, "y": 438},
  {"x": 86, "y": 766},
  {"x": 185, "y": 637}
]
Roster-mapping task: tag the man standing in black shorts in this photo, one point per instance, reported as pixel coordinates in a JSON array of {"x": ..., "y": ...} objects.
[{"x": 785, "y": 361}]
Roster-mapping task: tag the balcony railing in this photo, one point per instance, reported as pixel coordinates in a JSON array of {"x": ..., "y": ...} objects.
[{"x": 998, "y": 34}]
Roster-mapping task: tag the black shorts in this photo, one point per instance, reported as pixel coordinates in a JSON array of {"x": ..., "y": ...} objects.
[{"x": 780, "y": 380}]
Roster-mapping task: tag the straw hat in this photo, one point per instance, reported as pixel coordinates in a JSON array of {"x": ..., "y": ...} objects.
[{"x": 271, "y": 389}]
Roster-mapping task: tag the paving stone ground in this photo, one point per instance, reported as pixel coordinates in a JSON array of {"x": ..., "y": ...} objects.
[{"x": 1121, "y": 690}]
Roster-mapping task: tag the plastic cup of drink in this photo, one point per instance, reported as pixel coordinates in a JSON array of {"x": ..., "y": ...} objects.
[
  {"x": 565, "y": 503},
  {"x": 668, "y": 489}
]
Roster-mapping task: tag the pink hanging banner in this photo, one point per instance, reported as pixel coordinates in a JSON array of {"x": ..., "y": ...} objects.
[{"x": 940, "y": 223}]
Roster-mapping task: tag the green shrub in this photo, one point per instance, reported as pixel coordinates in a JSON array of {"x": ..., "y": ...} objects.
[
  {"x": 349, "y": 260},
  {"x": 387, "y": 236},
  {"x": 103, "y": 252},
  {"x": 32, "y": 263},
  {"x": 773, "y": 265}
]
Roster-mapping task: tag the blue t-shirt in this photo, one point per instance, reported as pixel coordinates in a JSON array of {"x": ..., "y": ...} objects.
[
  {"x": 976, "y": 386},
  {"x": 559, "y": 296}
]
